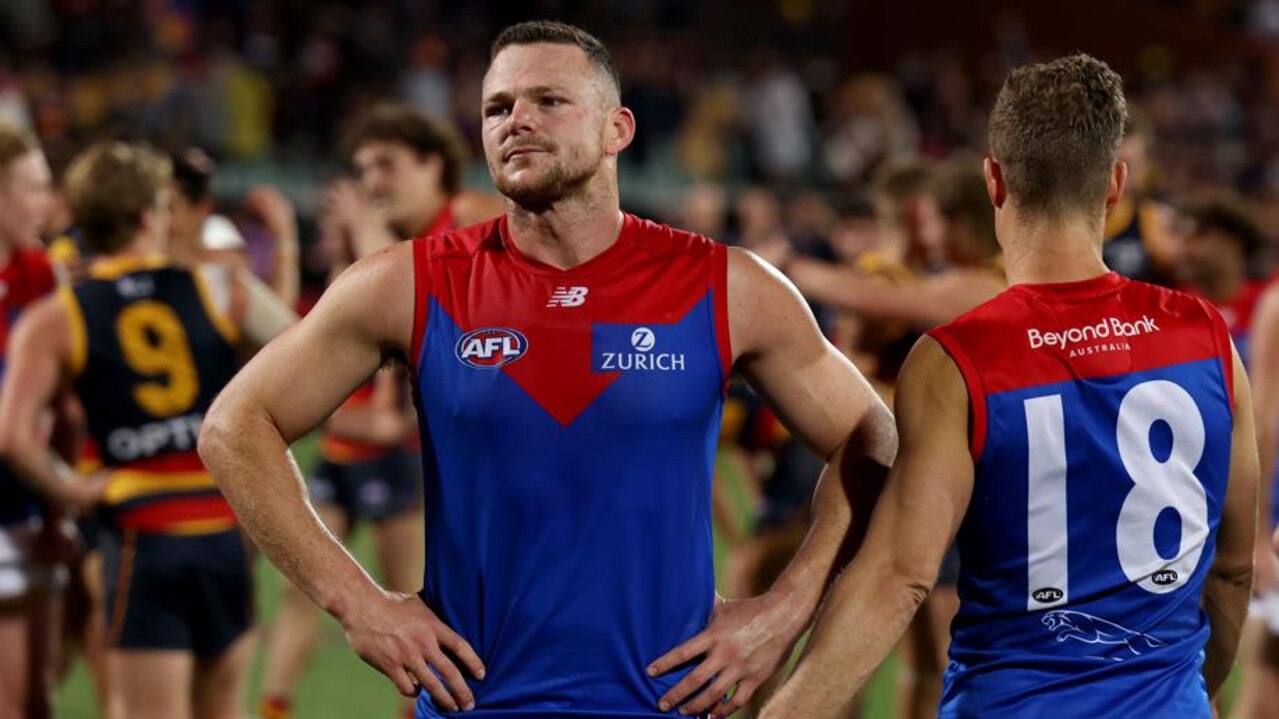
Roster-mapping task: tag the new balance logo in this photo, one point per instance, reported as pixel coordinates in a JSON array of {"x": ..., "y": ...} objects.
[{"x": 568, "y": 297}]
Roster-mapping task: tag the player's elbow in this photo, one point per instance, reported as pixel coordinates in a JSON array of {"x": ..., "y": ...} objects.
[
  {"x": 217, "y": 438},
  {"x": 1233, "y": 572}
]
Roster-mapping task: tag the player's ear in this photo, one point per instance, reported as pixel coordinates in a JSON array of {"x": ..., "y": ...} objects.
[
  {"x": 995, "y": 187},
  {"x": 1118, "y": 179},
  {"x": 620, "y": 130}
]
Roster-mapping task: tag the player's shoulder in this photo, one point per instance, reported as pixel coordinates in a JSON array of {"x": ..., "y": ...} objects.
[
  {"x": 459, "y": 242},
  {"x": 660, "y": 239}
]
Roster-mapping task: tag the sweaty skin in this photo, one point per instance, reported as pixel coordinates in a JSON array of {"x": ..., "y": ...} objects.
[{"x": 552, "y": 131}]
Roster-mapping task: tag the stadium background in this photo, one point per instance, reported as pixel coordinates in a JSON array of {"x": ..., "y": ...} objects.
[{"x": 803, "y": 98}]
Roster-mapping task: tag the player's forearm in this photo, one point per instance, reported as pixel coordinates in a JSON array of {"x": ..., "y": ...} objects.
[
  {"x": 845, "y": 647},
  {"x": 38, "y": 466},
  {"x": 250, "y": 462},
  {"x": 1225, "y": 600},
  {"x": 842, "y": 505}
]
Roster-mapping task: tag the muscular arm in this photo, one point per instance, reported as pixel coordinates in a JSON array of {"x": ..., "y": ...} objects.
[
  {"x": 826, "y": 404},
  {"x": 366, "y": 316},
  {"x": 1263, "y": 346},
  {"x": 38, "y": 359},
  {"x": 930, "y": 301},
  {"x": 1229, "y": 581},
  {"x": 924, "y": 501}
]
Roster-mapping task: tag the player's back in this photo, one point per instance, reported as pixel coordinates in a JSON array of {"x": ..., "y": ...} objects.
[
  {"x": 151, "y": 351},
  {"x": 1101, "y": 427}
]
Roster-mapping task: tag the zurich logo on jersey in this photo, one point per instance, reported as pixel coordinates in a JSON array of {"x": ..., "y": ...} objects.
[{"x": 490, "y": 347}]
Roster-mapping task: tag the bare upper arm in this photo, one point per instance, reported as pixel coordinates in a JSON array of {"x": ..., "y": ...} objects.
[
  {"x": 365, "y": 317},
  {"x": 931, "y": 481},
  {"x": 38, "y": 358},
  {"x": 778, "y": 348},
  {"x": 1239, "y": 512}
]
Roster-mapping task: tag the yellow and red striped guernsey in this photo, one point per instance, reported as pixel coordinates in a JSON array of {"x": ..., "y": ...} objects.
[{"x": 173, "y": 494}]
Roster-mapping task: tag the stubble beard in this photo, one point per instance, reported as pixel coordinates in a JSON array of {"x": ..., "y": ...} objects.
[{"x": 542, "y": 193}]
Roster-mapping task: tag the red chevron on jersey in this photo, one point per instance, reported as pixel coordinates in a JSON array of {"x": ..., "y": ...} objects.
[{"x": 514, "y": 319}]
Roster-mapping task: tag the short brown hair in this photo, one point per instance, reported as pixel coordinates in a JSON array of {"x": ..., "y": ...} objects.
[
  {"x": 14, "y": 143},
  {"x": 960, "y": 189},
  {"x": 1055, "y": 130},
  {"x": 558, "y": 33},
  {"x": 422, "y": 133},
  {"x": 109, "y": 186}
]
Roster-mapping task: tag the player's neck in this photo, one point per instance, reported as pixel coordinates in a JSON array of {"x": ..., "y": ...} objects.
[
  {"x": 141, "y": 246},
  {"x": 1042, "y": 253},
  {"x": 568, "y": 233}
]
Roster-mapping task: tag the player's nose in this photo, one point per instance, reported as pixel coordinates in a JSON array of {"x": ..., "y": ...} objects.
[{"x": 523, "y": 117}]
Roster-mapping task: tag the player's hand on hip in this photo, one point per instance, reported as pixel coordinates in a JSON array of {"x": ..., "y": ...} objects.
[
  {"x": 400, "y": 637},
  {"x": 744, "y": 644}
]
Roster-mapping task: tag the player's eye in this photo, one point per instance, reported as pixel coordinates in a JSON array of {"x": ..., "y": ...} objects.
[
  {"x": 496, "y": 110},
  {"x": 551, "y": 101}
]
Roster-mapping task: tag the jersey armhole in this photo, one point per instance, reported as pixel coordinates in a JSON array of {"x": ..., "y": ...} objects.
[
  {"x": 421, "y": 294},
  {"x": 972, "y": 381},
  {"x": 719, "y": 296},
  {"x": 79, "y": 335}
]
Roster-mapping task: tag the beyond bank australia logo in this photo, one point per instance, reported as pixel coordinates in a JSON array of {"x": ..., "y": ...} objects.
[{"x": 490, "y": 347}]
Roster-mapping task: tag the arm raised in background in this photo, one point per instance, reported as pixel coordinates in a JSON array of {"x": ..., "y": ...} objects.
[
  {"x": 923, "y": 504},
  {"x": 928, "y": 302},
  {"x": 281, "y": 222},
  {"x": 828, "y": 405},
  {"x": 365, "y": 317},
  {"x": 1229, "y": 580}
]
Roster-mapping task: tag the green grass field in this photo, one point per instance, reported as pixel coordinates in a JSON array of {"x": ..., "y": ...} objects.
[{"x": 338, "y": 685}]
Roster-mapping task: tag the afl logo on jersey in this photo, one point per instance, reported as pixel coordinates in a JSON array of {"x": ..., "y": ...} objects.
[
  {"x": 490, "y": 347},
  {"x": 1048, "y": 595}
]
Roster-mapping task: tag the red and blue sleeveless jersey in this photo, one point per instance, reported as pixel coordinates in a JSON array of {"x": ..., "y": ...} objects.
[
  {"x": 26, "y": 278},
  {"x": 569, "y": 421},
  {"x": 1101, "y": 420}
]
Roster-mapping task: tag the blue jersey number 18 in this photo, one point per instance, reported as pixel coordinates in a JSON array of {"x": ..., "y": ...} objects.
[{"x": 1157, "y": 486}]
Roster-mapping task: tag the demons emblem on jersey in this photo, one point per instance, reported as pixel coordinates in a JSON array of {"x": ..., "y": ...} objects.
[{"x": 490, "y": 347}]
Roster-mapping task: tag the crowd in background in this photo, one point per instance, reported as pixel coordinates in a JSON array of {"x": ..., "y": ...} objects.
[
  {"x": 764, "y": 97},
  {"x": 754, "y": 128}
]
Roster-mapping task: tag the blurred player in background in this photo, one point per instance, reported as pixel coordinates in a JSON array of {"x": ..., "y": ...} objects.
[
  {"x": 1140, "y": 243},
  {"x": 408, "y": 169},
  {"x": 1222, "y": 238},
  {"x": 195, "y": 227},
  {"x": 1077, "y": 599},
  {"x": 146, "y": 344},
  {"x": 29, "y": 581}
]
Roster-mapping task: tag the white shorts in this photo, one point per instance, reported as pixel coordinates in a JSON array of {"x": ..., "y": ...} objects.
[{"x": 19, "y": 574}]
